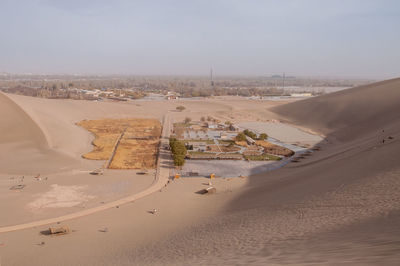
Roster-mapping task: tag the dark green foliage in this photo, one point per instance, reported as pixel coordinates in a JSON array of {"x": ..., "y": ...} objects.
[
  {"x": 241, "y": 137},
  {"x": 250, "y": 134},
  {"x": 263, "y": 136},
  {"x": 263, "y": 157},
  {"x": 178, "y": 151}
]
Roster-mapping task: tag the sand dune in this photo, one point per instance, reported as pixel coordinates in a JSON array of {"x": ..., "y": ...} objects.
[
  {"x": 338, "y": 206},
  {"x": 16, "y": 126},
  {"x": 24, "y": 147},
  {"x": 348, "y": 114}
]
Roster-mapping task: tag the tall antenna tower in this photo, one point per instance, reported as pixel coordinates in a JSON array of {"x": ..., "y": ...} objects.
[
  {"x": 283, "y": 81},
  {"x": 211, "y": 78}
]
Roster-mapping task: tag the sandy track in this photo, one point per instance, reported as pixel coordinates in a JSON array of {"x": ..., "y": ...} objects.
[{"x": 161, "y": 179}]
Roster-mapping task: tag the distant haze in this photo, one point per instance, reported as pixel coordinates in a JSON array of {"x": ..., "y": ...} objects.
[{"x": 343, "y": 38}]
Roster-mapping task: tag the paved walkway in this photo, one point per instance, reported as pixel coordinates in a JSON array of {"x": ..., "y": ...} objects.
[{"x": 164, "y": 164}]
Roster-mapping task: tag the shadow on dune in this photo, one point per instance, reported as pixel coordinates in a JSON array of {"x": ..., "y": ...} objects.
[
  {"x": 351, "y": 153},
  {"x": 372, "y": 242},
  {"x": 362, "y": 126},
  {"x": 338, "y": 206}
]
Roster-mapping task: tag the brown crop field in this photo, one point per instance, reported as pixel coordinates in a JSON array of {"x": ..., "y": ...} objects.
[
  {"x": 222, "y": 148},
  {"x": 274, "y": 149},
  {"x": 138, "y": 145}
]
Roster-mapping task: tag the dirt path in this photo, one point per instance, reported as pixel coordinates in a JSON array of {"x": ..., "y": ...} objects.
[
  {"x": 114, "y": 149},
  {"x": 164, "y": 163}
]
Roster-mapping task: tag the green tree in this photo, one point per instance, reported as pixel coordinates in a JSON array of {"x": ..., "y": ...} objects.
[
  {"x": 187, "y": 120},
  {"x": 178, "y": 151},
  {"x": 179, "y": 160},
  {"x": 240, "y": 137},
  {"x": 263, "y": 136},
  {"x": 250, "y": 134}
]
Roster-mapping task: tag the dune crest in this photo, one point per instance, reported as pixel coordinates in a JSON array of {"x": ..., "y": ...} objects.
[
  {"x": 16, "y": 126},
  {"x": 24, "y": 148},
  {"x": 349, "y": 114},
  {"x": 341, "y": 196}
]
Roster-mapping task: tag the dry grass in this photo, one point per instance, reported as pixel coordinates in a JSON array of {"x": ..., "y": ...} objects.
[
  {"x": 252, "y": 152},
  {"x": 137, "y": 148},
  {"x": 222, "y": 148},
  {"x": 274, "y": 149},
  {"x": 241, "y": 143}
]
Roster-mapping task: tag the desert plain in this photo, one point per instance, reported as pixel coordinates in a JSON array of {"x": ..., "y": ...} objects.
[{"x": 337, "y": 205}]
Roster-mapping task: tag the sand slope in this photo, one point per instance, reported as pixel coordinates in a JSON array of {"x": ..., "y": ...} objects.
[
  {"x": 338, "y": 206},
  {"x": 24, "y": 147},
  {"x": 348, "y": 114},
  {"x": 17, "y": 127}
]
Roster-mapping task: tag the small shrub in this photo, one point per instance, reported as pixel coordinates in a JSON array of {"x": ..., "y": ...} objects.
[
  {"x": 263, "y": 136},
  {"x": 250, "y": 134},
  {"x": 180, "y": 108},
  {"x": 240, "y": 137}
]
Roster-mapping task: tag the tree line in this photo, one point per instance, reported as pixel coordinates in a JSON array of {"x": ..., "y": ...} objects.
[{"x": 178, "y": 150}]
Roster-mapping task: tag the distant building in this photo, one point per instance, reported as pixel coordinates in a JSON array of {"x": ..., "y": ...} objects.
[
  {"x": 212, "y": 125},
  {"x": 108, "y": 93},
  {"x": 172, "y": 95},
  {"x": 233, "y": 128},
  {"x": 306, "y": 94},
  {"x": 224, "y": 136},
  {"x": 196, "y": 127},
  {"x": 198, "y": 146},
  {"x": 92, "y": 93},
  {"x": 221, "y": 126},
  {"x": 250, "y": 141}
]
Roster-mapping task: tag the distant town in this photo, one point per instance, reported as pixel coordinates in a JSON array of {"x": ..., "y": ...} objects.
[{"x": 124, "y": 88}]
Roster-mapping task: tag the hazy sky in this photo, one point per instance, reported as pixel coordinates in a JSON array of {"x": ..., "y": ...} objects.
[{"x": 354, "y": 38}]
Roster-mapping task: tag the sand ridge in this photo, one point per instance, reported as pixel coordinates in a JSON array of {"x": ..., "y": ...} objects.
[
  {"x": 17, "y": 127},
  {"x": 23, "y": 145},
  {"x": 277, "y": 218}
]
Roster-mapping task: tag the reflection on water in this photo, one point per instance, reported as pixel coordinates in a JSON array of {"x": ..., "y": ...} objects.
[
  {"x": 230, "y": 168},
  {"x": 236, "y": 168},
  {"x": 283, "y": 132},
  {"x": 287, "y": 145}
]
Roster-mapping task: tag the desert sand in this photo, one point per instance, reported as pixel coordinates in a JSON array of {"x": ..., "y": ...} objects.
[{"x": 340, "y": 205}]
